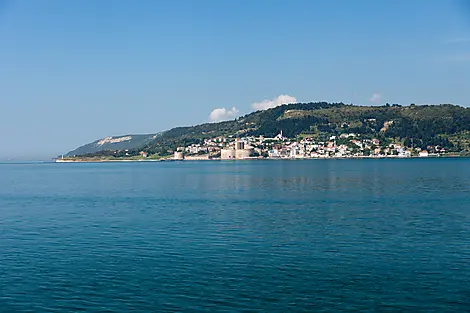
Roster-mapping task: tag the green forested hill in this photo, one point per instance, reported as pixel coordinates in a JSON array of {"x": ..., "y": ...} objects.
[{"x": 445, "y": 125}]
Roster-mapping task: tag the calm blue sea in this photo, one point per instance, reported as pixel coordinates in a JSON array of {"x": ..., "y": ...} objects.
[{"x": 272, "y": 236}]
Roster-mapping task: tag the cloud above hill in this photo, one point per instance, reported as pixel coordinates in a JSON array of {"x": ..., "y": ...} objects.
[
  {"x": 279, "y": 100},
  {"x": 223, "y": 114}
]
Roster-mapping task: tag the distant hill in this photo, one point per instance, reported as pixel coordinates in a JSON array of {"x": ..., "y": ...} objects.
[
  {"x": 127, "y": 142},
  {"x": 445, "y": 125}
]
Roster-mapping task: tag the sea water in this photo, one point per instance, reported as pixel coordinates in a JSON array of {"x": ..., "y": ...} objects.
[{"x": 242, "y": 236}]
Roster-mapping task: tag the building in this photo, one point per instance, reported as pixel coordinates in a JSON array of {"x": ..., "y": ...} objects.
[
  {"x": 179, "y": 155},
  {"x": 239, "y": 153},
  {"x": 274, "y": 153},
  {"x": 197, "y": 157},
  {"x": 424, "y": 153},
  {"x": 243, "y": 153},
  {"x": 239, "y": 145},
  {"x": 227, "y": 154}
]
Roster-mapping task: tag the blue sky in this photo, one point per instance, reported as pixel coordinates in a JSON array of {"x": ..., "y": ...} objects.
[{"x": 76, "y": 71}]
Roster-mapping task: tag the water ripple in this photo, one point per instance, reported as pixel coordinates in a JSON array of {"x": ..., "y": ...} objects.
[{"x": 349, "y": 235}]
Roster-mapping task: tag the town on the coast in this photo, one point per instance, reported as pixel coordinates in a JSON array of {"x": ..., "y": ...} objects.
[
  {"x": 279, "y": 147},
  {"x": 316, "y": 130}
]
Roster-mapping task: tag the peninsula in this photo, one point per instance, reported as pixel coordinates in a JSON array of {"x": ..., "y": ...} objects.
[{"x": 299, "y": 131}]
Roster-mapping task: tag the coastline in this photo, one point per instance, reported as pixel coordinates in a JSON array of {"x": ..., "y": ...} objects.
[
  {"x": 82, "y": 160},
  {"x": 102, "y": 161}
]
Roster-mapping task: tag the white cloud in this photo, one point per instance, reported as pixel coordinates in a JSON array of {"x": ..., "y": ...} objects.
[
  {"x": 267, "y": 104},
  {"x": 223, "y": 114},
  {"x": 375, "y": 98}
]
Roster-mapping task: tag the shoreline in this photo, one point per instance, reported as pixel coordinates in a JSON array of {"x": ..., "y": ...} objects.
[{"x": 260, "y": 159}]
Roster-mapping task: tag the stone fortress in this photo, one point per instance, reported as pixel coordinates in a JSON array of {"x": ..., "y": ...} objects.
[
  {"x": 239, "y": 152},
  {"x": 235, "y": 151}
]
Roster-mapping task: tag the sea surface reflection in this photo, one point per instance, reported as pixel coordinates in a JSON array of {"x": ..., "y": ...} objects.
[{"x": 275, "y": 236}]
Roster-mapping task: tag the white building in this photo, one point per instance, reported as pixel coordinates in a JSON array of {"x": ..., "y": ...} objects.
[
  {"x": 274, "y": 153},
  {"x": 179, "y": 155},
  {"x": 424, "y": 153}
]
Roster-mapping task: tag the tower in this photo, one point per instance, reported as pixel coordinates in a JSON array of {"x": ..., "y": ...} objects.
[{"x": 239, "y": 145}]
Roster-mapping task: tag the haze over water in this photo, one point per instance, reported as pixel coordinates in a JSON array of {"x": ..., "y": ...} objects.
[{"x": 274, "y": 236}]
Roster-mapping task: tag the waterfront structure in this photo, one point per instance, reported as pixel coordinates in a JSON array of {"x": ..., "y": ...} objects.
[
  {"x": 179, "y": 155},
  {"x": 238, "y": 152},
  {"x": 239, "y": 145},
  {"x": 197, "y": 157},
  {"x": 424, "y": 153},
  {"x": 227, "y": 154},
  {"x": 243, "y": 153},
  {"x": 341, "y": 146}
]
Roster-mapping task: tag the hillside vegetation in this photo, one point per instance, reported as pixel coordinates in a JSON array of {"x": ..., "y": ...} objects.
[{"x": 445, "y": 125}]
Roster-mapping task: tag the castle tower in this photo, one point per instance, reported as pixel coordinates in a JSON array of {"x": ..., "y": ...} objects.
[{"x": 239, "y": 145}]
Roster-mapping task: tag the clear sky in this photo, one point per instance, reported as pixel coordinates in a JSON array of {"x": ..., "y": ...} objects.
[{"x": 75, "y": 71}]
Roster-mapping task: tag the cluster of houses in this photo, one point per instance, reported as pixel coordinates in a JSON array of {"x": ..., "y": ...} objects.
[{"x": 343, "y": 146}]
